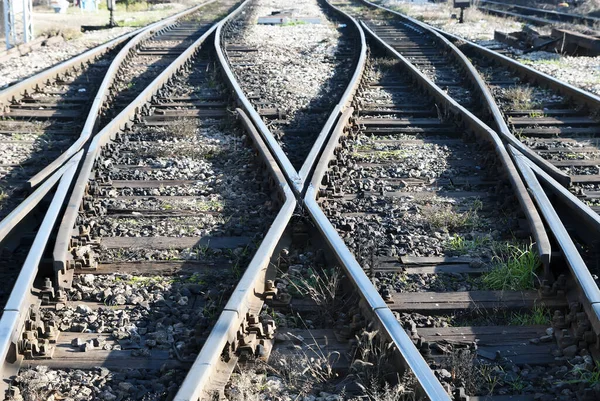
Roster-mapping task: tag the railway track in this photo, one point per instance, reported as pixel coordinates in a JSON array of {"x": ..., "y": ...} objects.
[
  {"x": 536, "y": 16},
  {"x": 569, "y": 110},
  {"x": 48, "y": 118},
  {"x": 98, "y": 305},
  {"x": 403, "y": 221},
  {"x": 160, "y": 214},
  {"x": 296, "y": 124},
  {"x": 196, "y": 259},
  {"x": 294, "y": 134}
]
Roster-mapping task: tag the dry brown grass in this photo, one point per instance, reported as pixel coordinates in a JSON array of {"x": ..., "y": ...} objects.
[{"x": 520, "y": 97}]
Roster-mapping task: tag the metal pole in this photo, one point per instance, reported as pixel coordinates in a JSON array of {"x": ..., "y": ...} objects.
[
  {"x": 27, "y": 21},
  {"x": 4, "y": 18},
  {"x": 12, "y": 22}
]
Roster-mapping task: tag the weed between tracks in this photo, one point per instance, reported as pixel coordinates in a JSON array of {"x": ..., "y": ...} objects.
[
  {"x": 447, "y": 219},
  {"x": 514, "y": 269},
  {"x": 520, "y": 97},
  {"x": 297, "y": 375}
]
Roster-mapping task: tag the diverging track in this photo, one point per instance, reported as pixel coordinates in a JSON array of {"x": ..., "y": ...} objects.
[{"x": 197, "y": 257}]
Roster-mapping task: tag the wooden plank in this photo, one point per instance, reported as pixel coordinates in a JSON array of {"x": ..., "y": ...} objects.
[
  {"x": 434, "y": 260},
  {"x": 191, "y": 103},
  {"x": 520, "y": 397},
  {"x": 153, "y": 268},
  {"x": 545, "y": 112},
  {"x": 484, "y": 335},
  {"x": 554, "y": 131},
  {"x": 166, "y": 115},
  {"x": 142, "y": 213},
  {"x": 524, "y": 121},
  {"x": 409, "y": 182},
  {"x": 576, "y": 162},
  {"x": 583, "y": 149},
  {"x": 66, "y": 356},
  {"x": 429, "y": 269},
  {"x": 375, "y": 130},
  {"x": 166, "y": 243},
  {"x": 43, "y": 114},
  {"x": 420, "y": 195},
  {"x": 431, "y": 302},
  {"x": 149, "y": 183},
  {"x": 420, "y": 122},
  {"x": 585, "y": 178}
]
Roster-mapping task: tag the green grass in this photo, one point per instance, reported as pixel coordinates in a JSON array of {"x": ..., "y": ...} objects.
[
  {"x": 539, "y": 316},
  {"x": 461, "y": 245},
  {"x": 514, "y": 269},
  {"x": 591, "y": 378},
  {"x": 294, "y": 23},
  {"x": 212, "y": 205}
]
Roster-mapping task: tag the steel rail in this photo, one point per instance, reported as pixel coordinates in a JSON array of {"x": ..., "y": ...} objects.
[
  {"x": 489, "y": 101},
  {"x": 297, "y": 179},
  {"x": 286, "y": 166},
  {"x": 560, "y": 16},
  {"x": 62, "y": 267},
  {"x": 91, "y": 121},
  {"x": 585, "y": 282},
  {"x": 484, "y": 132},
  {"x": 244, "y": 298},
  {"x": 21, "y": 88},
  {"x": 580, "y": 96},
  {"x": 341, "y": 106},
  {"x": 30, "y": 84},
  {"x": 411, "y": 356},
  {"x": 427, "y": 382},
  {"x": 15, "y": 310}
]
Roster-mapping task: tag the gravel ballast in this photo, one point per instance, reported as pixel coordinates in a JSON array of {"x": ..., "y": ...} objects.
[{"x": 291, "y": 68}]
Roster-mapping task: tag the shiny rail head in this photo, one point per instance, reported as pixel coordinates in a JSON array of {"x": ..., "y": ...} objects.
[
  {"x": 588, "y": 290},
  {"x": 290, "y": 172},
  {"x": 311, "y": 161},
  {"x": 91, "y": 122},
  {"x": 16, "y": 310}
]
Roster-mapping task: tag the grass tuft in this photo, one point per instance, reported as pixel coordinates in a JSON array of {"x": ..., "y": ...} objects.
[
  {"x": 514, "y": 269},
  {"x": 520, "y": 97},
  {"x": 446, "y": 219},
  {"x": 539, "y": 316}
]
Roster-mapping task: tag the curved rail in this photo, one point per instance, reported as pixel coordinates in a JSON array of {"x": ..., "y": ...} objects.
[
  {"x": 489, "y": 102},
  {"x": 297, "y": 179},
  {"x": 549, "y": 16},
  {"x": 476, "y": 125},
  {"x": 31, "y": 84},
  {"x": 533, "y": 217},
  {"x": 16, "y": 309},
  {"x": 580, "y": 96},
  {"x": 243, "y": 300},
  {"x": 62, "y": 266},
  {"x": 104, "y": 90},
  {"x": 585, "y": 282}
]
